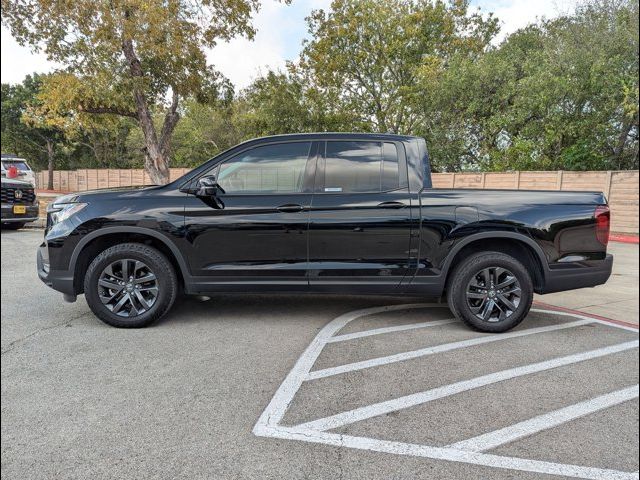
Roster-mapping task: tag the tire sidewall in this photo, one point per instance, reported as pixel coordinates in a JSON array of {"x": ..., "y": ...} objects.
[
  {"x": 471, "y": 266},
  {"x": 159, "y": 265}
]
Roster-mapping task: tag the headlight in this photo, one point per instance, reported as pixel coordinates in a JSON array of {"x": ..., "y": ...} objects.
[{"x": 58, "y": 212}]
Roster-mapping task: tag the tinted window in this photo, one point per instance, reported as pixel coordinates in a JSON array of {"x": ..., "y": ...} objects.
[
  {"x": 390, "y": 175},
  {"x": 275, "y": 168},
  {"x": 360, "y": 167},
  {"x": 352, "y": 167}
]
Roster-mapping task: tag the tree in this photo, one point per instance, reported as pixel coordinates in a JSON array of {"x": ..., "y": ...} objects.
[
  {"x": 205, "y": 130},
  {"x": 106, "y": 144},
  {"x": 369, "y": 53},
  {"x": 561, "y": 94},
  {"x": 15, "y": 135},
  {"x": 130, "y": 58},
  {"x": 280, "y": 102},
  {"x": 24, "y": 131}
]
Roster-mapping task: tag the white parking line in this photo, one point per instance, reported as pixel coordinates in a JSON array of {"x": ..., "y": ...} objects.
[
  {"x": 268, "y": 425},
  {"x": 444, "y": 453},
  {"x": 291, "y": 384},
  {"x": 628, "y": 328},
  {"x": 399, "y": 357},
  {"x": 381, "y": 408},
  {"x": 534, "y": 425},
  {"x": 399, "y": 328}
]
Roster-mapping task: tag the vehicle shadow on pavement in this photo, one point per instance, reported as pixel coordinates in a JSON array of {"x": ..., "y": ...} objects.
[{"x": 255, "y": 307}]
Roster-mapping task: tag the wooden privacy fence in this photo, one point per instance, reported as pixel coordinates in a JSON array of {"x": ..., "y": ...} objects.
[
  {"x": 620, "y": 187},
  {"x": 90, "y": 179}
]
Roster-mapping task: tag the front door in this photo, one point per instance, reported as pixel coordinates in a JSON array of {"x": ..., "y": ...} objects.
[
  {"x": 260, "y": 236},
  {"x": 360, "y": 220}
]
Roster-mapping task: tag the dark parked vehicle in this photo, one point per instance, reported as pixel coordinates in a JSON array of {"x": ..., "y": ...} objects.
[
  {"x": 332, "y": 213},
  {"x": 19, "y": 203}
]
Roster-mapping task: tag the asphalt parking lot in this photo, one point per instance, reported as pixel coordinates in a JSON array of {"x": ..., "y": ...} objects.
[{"x": 307, "y": 387}]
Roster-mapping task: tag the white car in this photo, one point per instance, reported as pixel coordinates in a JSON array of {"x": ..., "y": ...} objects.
[{"x": 25, "y": 173}]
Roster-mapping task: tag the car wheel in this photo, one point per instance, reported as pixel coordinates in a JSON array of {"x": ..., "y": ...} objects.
[
  {"x": 490, "y": 292},
  {"x": 13, "y": 225},
  {"x": 130, "y": 285}
]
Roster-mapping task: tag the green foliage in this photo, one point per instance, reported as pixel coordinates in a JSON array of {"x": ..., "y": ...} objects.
[
  {"x": 130, "y": 58},
  {"x": 282, "y": 103},
  {"x": 26, "y": 131},
  {"x": 559, "y": 94},
  {"x": 18, "y": 138},
  {"x": 26, "y": 128},
  {"x": 204, "y": 131},
  {"x": 368, "y": 54}
]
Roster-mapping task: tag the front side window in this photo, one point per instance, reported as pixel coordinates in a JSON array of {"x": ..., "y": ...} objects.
[
  {"x": 278, "y": 168},
  {"x": 359, "y": 167}
]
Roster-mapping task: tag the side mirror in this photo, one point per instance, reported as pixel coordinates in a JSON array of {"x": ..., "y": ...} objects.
[{"x": 208, "y": 189}]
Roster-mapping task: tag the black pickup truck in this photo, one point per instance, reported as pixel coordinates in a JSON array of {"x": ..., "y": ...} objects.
[{"x": 323, "y": 213}]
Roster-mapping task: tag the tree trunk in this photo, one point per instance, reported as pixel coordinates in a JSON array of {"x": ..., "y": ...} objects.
[
  {"x": 155, "y": 163},
  {"x": 622, "y": 139},
  {"x": 50, "y": 164},
  {"x": 156, "y": 149}
]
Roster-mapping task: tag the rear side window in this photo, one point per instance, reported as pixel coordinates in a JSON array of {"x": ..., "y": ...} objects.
[
  {"x": 359, "y": 167},
  {"x": 278, "y": 168}
]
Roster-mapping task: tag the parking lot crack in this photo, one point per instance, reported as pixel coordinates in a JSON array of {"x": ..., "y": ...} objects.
[{"x": 12, "y": 345}]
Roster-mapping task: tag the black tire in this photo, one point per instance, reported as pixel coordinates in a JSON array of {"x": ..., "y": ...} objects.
[
  {"x": 471, "y": 272},
  {"x": 13, "y": 225},
  {"x": 165, "y": 280}
]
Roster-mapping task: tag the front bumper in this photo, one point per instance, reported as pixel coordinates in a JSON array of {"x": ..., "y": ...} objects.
[
  {"x": 591, "y": 274},
  {"x": 60, "y": 280},
  {"x": 7, "y": 215}
]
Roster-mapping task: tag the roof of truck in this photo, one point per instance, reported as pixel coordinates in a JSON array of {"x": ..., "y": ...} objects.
[{"x": 338, "y": 135}]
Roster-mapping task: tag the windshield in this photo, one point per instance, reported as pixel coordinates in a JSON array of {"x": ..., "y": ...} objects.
[{"x": 19, "y": 164}]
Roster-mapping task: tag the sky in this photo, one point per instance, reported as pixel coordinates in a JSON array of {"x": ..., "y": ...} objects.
[{"x": 280, "y": 31}]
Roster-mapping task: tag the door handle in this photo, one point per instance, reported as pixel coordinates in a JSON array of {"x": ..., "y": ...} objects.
[
  {"x": 391, "y": 205},
  {"x": 289, "y": 208}
]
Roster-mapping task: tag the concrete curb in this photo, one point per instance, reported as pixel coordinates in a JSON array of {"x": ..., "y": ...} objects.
[
  {"x": 585, "y": 314},
  {"x": 622, "y": 238}
]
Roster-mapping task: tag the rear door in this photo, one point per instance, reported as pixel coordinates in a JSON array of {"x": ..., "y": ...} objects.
[{"x": 360, "y": 217}]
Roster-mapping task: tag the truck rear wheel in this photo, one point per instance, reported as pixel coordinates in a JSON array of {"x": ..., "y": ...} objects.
[
  {"x": 130, "y": 285},
  {"x": 490, "y": 292}
]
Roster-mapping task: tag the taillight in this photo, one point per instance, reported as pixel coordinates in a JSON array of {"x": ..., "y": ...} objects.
[{"x": 603, "y": 223}]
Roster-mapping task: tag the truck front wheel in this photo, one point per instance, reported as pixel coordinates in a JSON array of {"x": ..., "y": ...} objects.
[
  {"x": 130, "y": 285},
  {"x": 490, "y": 292}
]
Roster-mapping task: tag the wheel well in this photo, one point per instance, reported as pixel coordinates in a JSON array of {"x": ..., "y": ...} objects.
[
  {"x": 101, "y": 243},
  {"x": 516, "y": 248}
]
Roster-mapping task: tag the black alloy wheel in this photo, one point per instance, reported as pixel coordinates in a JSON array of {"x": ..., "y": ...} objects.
[
  {"x": 130, "y": 285},
  {"x": 490, "y": 291},
  {"x": 493, "y": 294}
]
